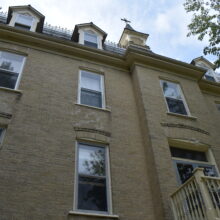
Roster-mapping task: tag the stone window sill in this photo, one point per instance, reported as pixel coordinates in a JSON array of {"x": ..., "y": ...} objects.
[
  {"x": 11, "y": 90},
  {"x": 92, "y": 107},
  {"x": 93, "y": 214},
  {"x": 182, "y": 116}
]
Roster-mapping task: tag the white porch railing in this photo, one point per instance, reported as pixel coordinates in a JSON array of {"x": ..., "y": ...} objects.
[{"x": 198, "y": 198}]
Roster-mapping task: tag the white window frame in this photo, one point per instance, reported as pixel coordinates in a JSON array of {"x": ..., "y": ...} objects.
[
  {"x": 102, "y": 88},
  {"x": 16, "y": 15},
  {"x": 108, "y": 179},
  {"x": 99, "y": 36},
  {"x": 210, "y": 73},
  {"x": 19, "y": 73},
  {"x": 92, "y": 34},
  {"x": 181, "y": 94},
  {"x": 22, "y": 15}
]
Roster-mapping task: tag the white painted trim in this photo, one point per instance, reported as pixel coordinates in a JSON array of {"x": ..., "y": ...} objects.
[
  {"x": 21, "y": 69},
  {"x": 16, "y": 14},
  {"x": 101, "y": 85},
  {"x": 92, "y": 214},
  {"x": 75, "y": 193},
  {"x": 82, "y": 31},
  {"x": 107, "y": 177},
  {"x": 20, "y": 73},
  {"x": 181, "y": 94}
]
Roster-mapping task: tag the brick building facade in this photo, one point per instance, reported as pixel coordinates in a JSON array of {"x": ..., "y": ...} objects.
[{"x": 91, "y": 130}]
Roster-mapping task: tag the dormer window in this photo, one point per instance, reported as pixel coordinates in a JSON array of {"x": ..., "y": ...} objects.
[
  {"x": 209, "y": 75},
  {"x": 89, "y": 34},
  {"x": 24, "y": 22},
  {"x": 90, "y": 39},
  {"x": 26, "y": 18}
]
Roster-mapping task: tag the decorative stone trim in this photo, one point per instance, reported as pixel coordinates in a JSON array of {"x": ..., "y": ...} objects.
[
  {"x": 105, "y": 133},
  {"x": 5, "y": 115},
  {"x": 174, "y": 125}
]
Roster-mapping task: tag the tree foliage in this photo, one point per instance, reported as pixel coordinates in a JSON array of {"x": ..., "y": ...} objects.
[{"x": 206, "y": 23}]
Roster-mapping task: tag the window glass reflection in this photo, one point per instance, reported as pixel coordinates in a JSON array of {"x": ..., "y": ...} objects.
[
  {"x": 11, "y": 62},
  {"x": 171, "y": 90},
  {"x": 91, "y": 160}
]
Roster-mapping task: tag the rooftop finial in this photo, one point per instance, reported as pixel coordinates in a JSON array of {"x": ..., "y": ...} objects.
[{"x": 125, "y": 20}]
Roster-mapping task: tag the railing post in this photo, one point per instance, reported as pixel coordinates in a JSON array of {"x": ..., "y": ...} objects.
[{"x": 210, "y": 210}]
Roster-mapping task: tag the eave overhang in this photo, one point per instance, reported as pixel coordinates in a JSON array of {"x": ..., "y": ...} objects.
[
  {"x": 60, "y": 46},
  {"x": 136, "y": 55},
  {"x": 209, "y": 86},
  {"x": 132, "y": 56}
]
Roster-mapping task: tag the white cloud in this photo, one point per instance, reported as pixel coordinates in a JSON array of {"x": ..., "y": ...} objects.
[{"x": 162, "y": 23}]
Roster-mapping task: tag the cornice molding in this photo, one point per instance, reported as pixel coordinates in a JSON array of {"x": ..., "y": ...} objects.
[
  {"x": 133, "y": 54},
  {"x": 137, "y": 55},
  {"x": 57, "y": 45},
  {"x": 208, "y": 86}
]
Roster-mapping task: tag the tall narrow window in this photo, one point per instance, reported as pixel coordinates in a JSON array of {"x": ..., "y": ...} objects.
[
  {"x": 91, "y": 89},
  {"x": 90, "y": 39},
  {"x": 11, "y": 66},
  {"x": 24, "y": 22},
  {"x": 218, "y": 106},
  {"x": 92, "y": 193},
  {"x": 174, "y": 98},
  {"x": 1, "y": 134}
]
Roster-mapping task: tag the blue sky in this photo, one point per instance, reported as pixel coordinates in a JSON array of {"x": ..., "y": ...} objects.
[{"x": 164, "y": 20}]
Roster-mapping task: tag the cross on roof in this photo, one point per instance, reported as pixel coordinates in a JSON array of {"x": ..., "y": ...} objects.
[{"x": 125, "y": 20}]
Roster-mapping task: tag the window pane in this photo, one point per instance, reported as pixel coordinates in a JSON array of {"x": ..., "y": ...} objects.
[
  {"x": 23, "y": 27},
  {"x": 188, "y": 154},
  {"x": 90, "y": 44},
  {"x": 208, "y": 170},
  {"x": 24, "y": 19},
  {"x": 176, "y": 106},
  {"x": 8, "y": 79},
  {"x": 185, "y": 171},
  {"x": 171, "y": 90},
  {"x": 11, "y": 62},
  {"x": 91, "y": 81},
  {"x": 91, "y": 98},
  {"x": 90, "y": 37},
  {"x": 92, "y": 194},
  {"x": 1, "y": 134},
  {"x": 210, "y": 78},
  {"x": 91, "y": 160}
]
